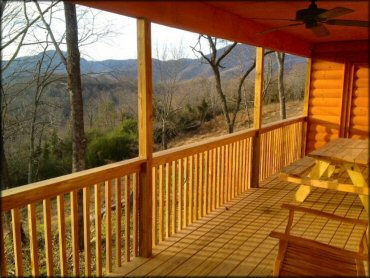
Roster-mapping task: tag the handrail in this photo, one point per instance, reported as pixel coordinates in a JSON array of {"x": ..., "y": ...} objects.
[
  {"x": 165, "y": 156},
  {"x": 26, "y": 194},
  {"x": 282, "y": 123},
  {"x": 23, "y": 195}
]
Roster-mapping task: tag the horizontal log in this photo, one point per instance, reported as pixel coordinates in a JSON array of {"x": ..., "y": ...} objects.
[
  {"x": 361, "y": 92},
  {"x": 325, "y": 102},
  {"x": 360, "y": 121},
  {"x": 327, "y": 83},
  {"x": 360, "y": 112},
  {"x": 362, "y": 73},
  {"x": 325, "y": 137},
  {"x": 327, "y": 74},
  {"x": 330, "y": 111},
  {"x": 360, "y": 102},
  {"x": 323, "y": 119},
  {"x": 23, "y": 195},
  {"x": 326, "y": 93},
  {"x": 318, "y": 64},
  {"x": 362, "y": 83},
  {"x": 332, "y": 128}
]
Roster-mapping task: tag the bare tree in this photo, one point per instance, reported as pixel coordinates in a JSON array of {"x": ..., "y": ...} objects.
[
  {"x": 43, "y": 77},
  {"x": 231, "y": 107},
  {"x": 170, "y": 64},
  {"x": 280, "y": 57}
]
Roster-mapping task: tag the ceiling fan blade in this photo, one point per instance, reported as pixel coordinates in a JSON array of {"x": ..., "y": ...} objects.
[
  {"x": 320, "y": 30},
  {"x": 338, "y": 11},
  {"x": 279, "y": 19},
  {"x": 278, "y": 28},
  {"x": 345, "y": 22}
]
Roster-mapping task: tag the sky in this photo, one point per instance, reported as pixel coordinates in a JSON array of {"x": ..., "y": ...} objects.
[{"x": 119, "y": 45}]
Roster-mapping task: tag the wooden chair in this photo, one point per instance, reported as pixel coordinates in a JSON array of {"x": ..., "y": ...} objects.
[{"x": 298, "y": 256}]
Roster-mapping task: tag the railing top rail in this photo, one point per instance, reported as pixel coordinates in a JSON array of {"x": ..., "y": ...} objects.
[
  {"x": 190, "y": 149},
  {"x": 34, "y": 192},
  {"x": 23, "y": 195},
  {"x": 183, "y": 151},
  {"x": 275, "y": 125}
]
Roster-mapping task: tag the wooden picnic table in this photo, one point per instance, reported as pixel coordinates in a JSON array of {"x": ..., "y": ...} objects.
[{"x": 338, "y": 158}]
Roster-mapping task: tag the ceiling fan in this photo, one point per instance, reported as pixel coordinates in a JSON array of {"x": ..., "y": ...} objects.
[{"x": 314, "y": 19}]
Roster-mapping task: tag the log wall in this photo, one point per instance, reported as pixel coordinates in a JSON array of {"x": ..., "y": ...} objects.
[{"x": 339, "y": 93}]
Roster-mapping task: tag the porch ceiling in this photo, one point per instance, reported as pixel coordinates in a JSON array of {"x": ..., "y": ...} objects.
[{"x": 231, "y": 20}]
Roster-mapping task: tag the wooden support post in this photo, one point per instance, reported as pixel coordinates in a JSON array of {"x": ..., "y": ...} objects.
[
  {"x": 145, "y": 87},
  {"x": 305, "y": 107},
  {"x": 257, "y": 117}
]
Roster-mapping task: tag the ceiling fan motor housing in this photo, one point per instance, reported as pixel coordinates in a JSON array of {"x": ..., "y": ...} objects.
[{"x": 309, "y": 16}]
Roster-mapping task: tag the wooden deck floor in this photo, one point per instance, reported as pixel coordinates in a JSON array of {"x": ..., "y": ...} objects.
[{"x": 233, "y": 240}]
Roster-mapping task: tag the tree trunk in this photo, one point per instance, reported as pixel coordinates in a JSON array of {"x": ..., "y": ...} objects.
[
  {"x": 164, "y": 141},
  {"x": 75, "y": 92},
  {"x": 280, "y": 59}
]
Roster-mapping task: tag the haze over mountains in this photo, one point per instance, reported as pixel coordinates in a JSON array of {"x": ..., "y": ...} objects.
[{"x": 188, "y": 68}]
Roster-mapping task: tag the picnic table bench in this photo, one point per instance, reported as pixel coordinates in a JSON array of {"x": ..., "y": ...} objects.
[{"x": 340, "y": 165}]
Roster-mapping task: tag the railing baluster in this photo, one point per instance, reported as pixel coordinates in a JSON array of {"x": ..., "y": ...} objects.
[
  {"x": 174, "y": 197},
  {"x": 98, "y": 229},
  {"x": 222, "y": 177},
  {"x": 181, "y": 193},
  {"x": 87, "y": 244},
  {"x": 161, "y": 207},
  {"x": 48, "y": 237},
  {"x": 209, "y": 185},
  {"x": 118, "y": 222},
  {"x": 233, "y": 175},
  {"x": 74, "y": 227},
  {"x": 226, "y": 178},
  {"x": 17, "y": 242},
  {"x": 237, "y": 162},
  {"x": 186, "y": 183},
  {"x": 196, "y": 183},
  {"x": 155, "y": 206},
  {"x": 135, "y": 213},
  {"x": 190, "y": 189},
  {"x": 201, "y": 186},
  {"x": 127, "y": 217},
  {"x": 213, "y": 174},
  {"x": 34, "y": 248},
  {"x": 218, "y": 176},
  {"x": 168, "y": 211},
  {"x": 62, "y": 235},
  {"x": 108, "y": 225},
  {"x": 230, "y": 171},
  {"x": 206, "y": 193},
  {"x": 244, "y": 172}
]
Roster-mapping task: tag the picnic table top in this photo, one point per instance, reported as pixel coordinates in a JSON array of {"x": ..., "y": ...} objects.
[{"x": 344, "y": 150}]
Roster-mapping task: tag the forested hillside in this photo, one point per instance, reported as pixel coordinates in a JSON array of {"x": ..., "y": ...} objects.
[{"x": 36, "y": 103}]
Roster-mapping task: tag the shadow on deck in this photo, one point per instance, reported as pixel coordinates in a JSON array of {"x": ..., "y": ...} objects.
[{"x": 233, "y": 240}]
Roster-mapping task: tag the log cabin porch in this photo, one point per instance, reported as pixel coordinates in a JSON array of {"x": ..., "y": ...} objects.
[
  {"x": 206, "y": 208},
  {"x": 233, "y": 240}
]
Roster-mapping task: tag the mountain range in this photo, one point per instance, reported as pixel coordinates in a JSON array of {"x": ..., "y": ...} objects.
[{"x": 162, "y": 70}]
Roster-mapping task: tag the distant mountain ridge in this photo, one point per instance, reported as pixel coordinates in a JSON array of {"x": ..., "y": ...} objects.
[{"x": 189, "y": 68}]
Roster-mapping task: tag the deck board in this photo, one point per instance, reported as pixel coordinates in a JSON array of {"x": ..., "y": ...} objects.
[{"x": 235, "y": 241}]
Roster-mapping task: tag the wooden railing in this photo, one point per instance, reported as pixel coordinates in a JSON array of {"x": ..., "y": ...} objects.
[
  {"x": 52, "y": 208},
  {"x": 281, "y": 144},
  {"x": 191, "y": 181},
  {"x": 188, "y": 183}
]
